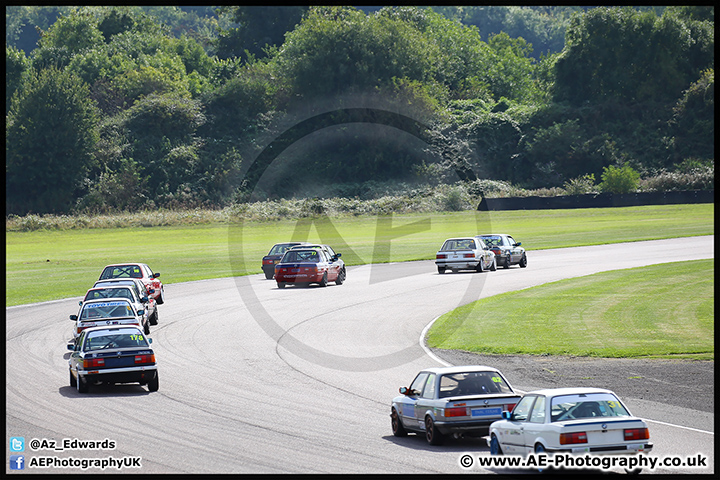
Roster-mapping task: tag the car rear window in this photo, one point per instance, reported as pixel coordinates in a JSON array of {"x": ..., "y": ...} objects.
[
  {"x": 570, "y": 407},
  {"x": 459, "y": 244},
  {"x": 472, "y": 383},
  {"x": 115, "y": 339},
  {"x": 302, "y": 256},
  {"x": 109, "y": 293},
  {"x": 121, "y": 271},
  {"x": 94, "y": 311}
]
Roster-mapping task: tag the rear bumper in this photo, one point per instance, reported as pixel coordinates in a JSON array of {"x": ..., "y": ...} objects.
[
  {"x": 298, "y": 278},
  {"x": 625, "y": 449},
  {"x": 120, "y": 375},
  {"x": 470, "y": 263},
  {"x": 479, "y": 427}
]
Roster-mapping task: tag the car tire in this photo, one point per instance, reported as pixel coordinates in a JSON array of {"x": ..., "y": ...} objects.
[
  {"x": 523, "y": 261},
  {"x": 341, "y": 277},
  {"x": 154, "y": 318},
  {"x": 281, "y": 284},
  {"x": 432, "y": 434},
  {"x": 479, "y": 267},
  {"x": 146, "y": 327},
  {"x": 73, "y": 382},
  {"x": 441, "y": 270},
  {"x": 154, "y": 384},
  {"x": 493, "y": 267},
  {"x": 161, "y": 298},
  {"x": 495, "y": 446},
  {"x": 539, "y": 448},
  {"x": 397, "y": 426},
  {"x": 324, "y": 281},
  {"x": 82, "y": 386},
  {"x": 507, "y": 261}
]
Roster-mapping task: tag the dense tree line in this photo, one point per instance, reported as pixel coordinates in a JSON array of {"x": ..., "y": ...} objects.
[{"x": 114, "y": 109}]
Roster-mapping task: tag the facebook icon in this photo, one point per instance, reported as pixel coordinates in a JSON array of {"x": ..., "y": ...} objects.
[{"x": 17, "y": 462}]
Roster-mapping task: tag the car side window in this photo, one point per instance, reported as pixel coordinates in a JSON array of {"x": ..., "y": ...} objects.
[
  {"x": 429, "y": 391},
  {"x": 417, "y": 385},
  {"x": 522, "y": 409},
  {"x": 538, "y": 412},
  {"x": 511, "y": 241}
]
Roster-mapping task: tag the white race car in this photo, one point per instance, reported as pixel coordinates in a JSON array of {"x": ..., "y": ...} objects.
[{"x": 569, "y": 420}]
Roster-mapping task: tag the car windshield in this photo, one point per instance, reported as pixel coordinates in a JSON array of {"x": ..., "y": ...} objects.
[
  {"x": 99, "y": 293},
  {"x": 121, "y": 271},
  {"x": 591, "y": 405},
  {"x": 128, "y": 338},
  {"x": 92, "y": 311},
  {"x": 472, "y": 383},
  {"x": 301, "y": 256},
  {"x": 459, "y": 244}
]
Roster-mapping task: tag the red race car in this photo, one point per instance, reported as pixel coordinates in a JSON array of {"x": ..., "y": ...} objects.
[
  {"x": 308, "y": 264},
  {"x": 136, "y": 270}
]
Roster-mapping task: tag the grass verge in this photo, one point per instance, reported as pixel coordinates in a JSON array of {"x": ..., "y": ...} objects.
[
  {"x": 659, "y": 311},
  {"x": 61, "y": 263}
]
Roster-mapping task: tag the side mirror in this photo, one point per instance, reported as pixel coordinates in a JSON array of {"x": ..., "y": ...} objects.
[
  {"x": 156, "y": 275},
  {"x": 338, "y": 255},
  {"x": 73, "y": 318},
  {"x": 518, "y": 244},
  {"x": 141, "y": 312},
  {"x": 506, "y": 414},
  {"x": 80, "y": 303},
  {"x": 405, "y": 391},
  {"x": 151, "y": 290},
  {"x": 149, "y": 340},
  {"x": 144, "y": 299},
  {"x": 71, "y": 346}
]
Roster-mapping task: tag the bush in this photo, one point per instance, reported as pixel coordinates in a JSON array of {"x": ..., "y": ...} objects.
[
  {"x": 580, "y": 185},
  {"x": 619, "y": 179}
]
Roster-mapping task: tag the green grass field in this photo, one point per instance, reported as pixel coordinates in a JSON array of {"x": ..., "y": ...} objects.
[
  {"x": 665, "y": 310},
  {"x": 658, "y": 311},
  {"x": 46, "y": 265}
]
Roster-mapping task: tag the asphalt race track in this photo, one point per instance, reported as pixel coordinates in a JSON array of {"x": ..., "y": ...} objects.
[{"x": 254, "y": 379}]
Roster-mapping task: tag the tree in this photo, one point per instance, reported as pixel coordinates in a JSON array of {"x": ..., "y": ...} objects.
[
  {"x": 16, "y": 64},
  {"x": 50, "y": 136}
]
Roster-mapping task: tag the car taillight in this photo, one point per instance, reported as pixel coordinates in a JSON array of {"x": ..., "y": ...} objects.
[
  {"x": 496, "y": 251},
  {"x": 469, "y": 255},
  {"x": 577, "y": 437},
  {"x": 509, "y": 407},
  {"x": 267, "y": 261},
  {"x": 93, "y": 362},
  {"x": 456, "y": 412},
  {"x": 145, "y": 358},
  {"x": 440, "y": 256},
  {"x": 637, "y": 434}
]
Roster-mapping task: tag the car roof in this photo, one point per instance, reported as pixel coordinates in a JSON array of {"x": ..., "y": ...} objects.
[
  {"x": 119, "y": 280},
  {"x": 104, "y": 300},
  {"x": 493, "y": 235},
  {"x": 309, "y": 245},
  {"x": 460, "y": 369},
  {"x": 292, "y": 243},
  {"x": 554, "y": 392},
  {"x": 112, "y": 327}
]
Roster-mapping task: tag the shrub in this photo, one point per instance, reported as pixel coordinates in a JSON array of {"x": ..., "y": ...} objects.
[{"x": 619, "y": 179}]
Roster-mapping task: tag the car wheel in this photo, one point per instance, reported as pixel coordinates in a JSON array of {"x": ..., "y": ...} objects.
[
  {"x": 523, "y": 261},
  {"x": 479, "y": 267},
  {"x": 432, "y": 434},
  {"x": 323, "y": 282},
  {"x": 539, "y": 448},
  {"x": 281, "y": 284},
  {"x": 397, "y": 426},
  {"x": 495, "y": 446},
  {"x": 82, "y": 386},
  {"x": 146, "y": 328},
  {"x": 441, "y": 270},
  {"x": 633, "y": 471},
  {"x": 507, "y": 262},
  {"x": 493, "y": 267},
  {"x": 341, "y": 277},
  {"x": 154, "y": 384},
  {"x": 154, "y": 318},
  {"x": 73, "y": 382}
]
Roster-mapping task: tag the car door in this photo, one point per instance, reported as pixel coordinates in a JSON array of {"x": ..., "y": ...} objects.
[
  {"x": 535, "y": 425},
  {"x": 513, "y": 431},
  {"x": 408, "y": 402},
  {"x": 515, "y": 250},
  {"x": 426, "y": 401}
]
